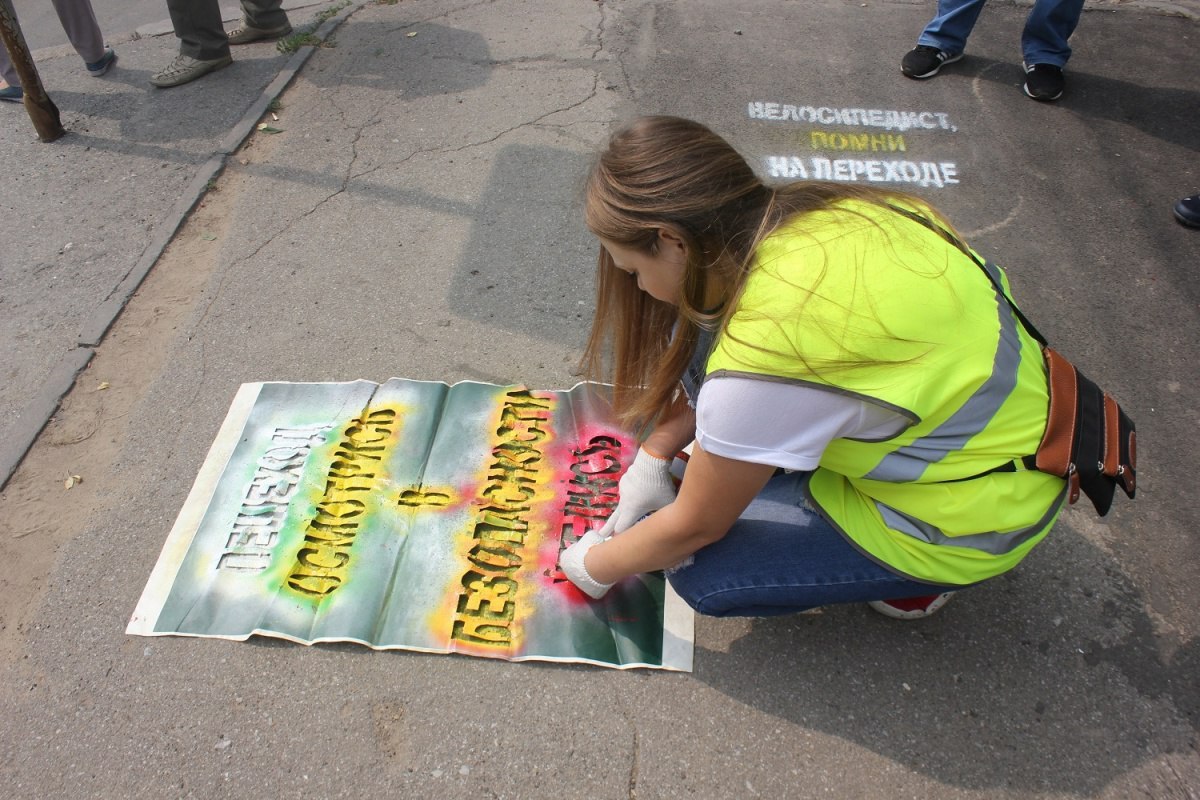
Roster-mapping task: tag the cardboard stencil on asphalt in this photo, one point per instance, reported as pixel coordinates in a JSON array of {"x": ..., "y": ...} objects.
[{"x": 410, "y": 515}]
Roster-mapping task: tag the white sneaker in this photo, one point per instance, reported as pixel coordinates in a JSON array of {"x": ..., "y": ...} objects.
[
  {"x": 911, "y": 607},
  {"x": 185, "y": 69}
]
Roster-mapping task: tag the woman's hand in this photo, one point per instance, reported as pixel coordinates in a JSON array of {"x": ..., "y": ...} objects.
[
  {"x": 714, "y": 493},
  {"x": 646, "y": 485},
  {"x": 644, "y": 488},
  {"x": 572, "y": 565}
]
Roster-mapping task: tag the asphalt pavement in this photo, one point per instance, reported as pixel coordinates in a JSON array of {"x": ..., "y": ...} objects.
[{"x": 414, "y": 212}]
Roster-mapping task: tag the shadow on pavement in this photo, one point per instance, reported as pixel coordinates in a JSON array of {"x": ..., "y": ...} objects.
[
  {"x": 985, "y": 695},
  {"x": 528, "y": 264},
  {"x": 1167, "y": 114},
  {"x": 436, "y": 60},
  {"x": 529, "y": 256}
]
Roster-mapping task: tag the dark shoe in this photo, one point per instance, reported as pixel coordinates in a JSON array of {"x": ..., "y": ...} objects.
[
  {"x": 98, "y": 68},
  {"x": 924, "y": 61},
  {"x": 245, "y": 33},
  {"x": 1187, "y": 211},
  {"x": 1043, "y": 82},
  {"x": 12, "y": 94},
  {"x": 184, "y": 70},
  {"x": 911, "y": 607}
]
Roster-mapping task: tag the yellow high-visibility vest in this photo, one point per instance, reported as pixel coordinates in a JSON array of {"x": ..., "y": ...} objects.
[{"x": 861, "y": 300}]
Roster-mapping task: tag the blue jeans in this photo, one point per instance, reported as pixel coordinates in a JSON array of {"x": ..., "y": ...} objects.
[
  {"x": 781, "y": 557},
  {"x": 1044, "y": 40}
]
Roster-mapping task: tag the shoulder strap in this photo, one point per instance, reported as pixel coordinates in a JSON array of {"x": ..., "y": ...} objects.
[{"x": 954, "y": 240}]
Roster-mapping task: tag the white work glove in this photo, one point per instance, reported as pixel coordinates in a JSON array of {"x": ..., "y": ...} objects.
[
  {"x": 571, "y": 562},
  {"x": 644, "y": 488}
]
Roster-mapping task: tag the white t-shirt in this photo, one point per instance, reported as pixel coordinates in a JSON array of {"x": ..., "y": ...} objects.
[{"x": 783, "y": 424}]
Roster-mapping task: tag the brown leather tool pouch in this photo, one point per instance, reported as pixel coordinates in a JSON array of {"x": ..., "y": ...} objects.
[{"x": 1089, "y": 440}]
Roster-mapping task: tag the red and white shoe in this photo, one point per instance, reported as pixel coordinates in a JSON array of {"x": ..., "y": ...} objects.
[{"x": 911, "y": 607}]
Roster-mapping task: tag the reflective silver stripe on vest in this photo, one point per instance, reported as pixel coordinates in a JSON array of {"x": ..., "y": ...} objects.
[
  {"x": 992, "y": 542},
  {"x": 907, "y": 463}
]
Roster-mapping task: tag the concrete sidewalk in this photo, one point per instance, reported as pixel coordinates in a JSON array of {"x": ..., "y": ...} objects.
[
  {"x": 87, "y": 216},
  {"x": 416, "y": 216}
]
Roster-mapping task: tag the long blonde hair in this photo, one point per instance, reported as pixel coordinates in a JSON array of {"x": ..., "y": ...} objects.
[{"x": 668, "y": 172}]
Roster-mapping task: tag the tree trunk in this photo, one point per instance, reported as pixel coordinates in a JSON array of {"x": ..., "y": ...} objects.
[{"x": 38, "y": 105}]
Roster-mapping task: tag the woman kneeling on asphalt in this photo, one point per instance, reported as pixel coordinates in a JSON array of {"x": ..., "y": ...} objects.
[{"x": 858, "y": 393}]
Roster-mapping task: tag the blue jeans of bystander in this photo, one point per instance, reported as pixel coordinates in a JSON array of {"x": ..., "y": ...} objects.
[{"x": 1043, "y": 41}]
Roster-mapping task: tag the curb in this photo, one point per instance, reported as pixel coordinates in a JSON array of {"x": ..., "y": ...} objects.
[
  {"x": 37, "y": 413},
  {"x": 32, "y": 419}
]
